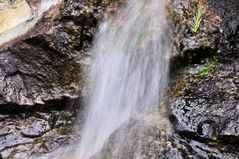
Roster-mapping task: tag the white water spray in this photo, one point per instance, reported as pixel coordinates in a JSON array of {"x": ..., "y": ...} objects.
[
  {"x": 128, "y": 75},
  {"x": 129, "y": 72}
]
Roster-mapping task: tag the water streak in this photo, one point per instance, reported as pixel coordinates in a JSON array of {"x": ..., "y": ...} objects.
[
  {"x": 129, "y": 72},
  {"x": 128, "y": 75}
]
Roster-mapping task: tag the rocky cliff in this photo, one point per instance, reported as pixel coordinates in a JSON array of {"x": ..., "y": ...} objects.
[{"x": 43, "y": 66}]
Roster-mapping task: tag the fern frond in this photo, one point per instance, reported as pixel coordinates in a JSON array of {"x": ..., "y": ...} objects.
[{"x": 197, "y": 19}]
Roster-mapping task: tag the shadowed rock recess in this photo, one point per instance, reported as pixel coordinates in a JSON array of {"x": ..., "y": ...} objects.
[{"x": 44, "y": 68}]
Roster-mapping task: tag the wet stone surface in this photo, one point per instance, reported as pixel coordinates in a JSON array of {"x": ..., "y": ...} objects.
[
  {"x": 228, "y": 10},
  {"x": 206, "y": 110},
  {"x": 204, "y": 107},
  {"x": 44, "y": 66},
  {"x": 194, "y": 46},
  {"x": 34, "y": 134},
  {"x": 145, "y": 136},
  {"x": 48, "y": 62},
  {"x": 35, "y": 129}
]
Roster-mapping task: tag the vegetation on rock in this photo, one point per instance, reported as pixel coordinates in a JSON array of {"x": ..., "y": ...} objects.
[
  {"x": 197, "y": 19},
  {"x": 206, "y": 68}
]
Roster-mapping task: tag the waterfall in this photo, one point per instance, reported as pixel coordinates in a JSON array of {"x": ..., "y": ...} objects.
[
  {"x": 129, "y": 72},
  {"x": 128, "y": 75}
]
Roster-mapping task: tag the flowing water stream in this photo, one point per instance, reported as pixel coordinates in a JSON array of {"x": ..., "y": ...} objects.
[{"x": 129, "y": 72}]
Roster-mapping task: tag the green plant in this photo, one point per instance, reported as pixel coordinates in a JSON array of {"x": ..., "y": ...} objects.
[
  {"x": 197, "y": 19},
  {"x": 208, "y": 44},
  {"x": 206, "y": 68}
]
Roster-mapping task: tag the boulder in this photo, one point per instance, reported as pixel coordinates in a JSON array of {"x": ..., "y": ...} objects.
[{"x": 46, "y": 62}]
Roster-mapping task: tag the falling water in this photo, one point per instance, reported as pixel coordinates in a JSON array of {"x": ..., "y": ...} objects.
[
  {"x": 128, "y": 75},
  {"x": 129, "y": 71}
]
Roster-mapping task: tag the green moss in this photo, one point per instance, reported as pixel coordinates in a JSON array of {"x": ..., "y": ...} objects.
[
  {"x": 207, "y": 67},
  {"x": 208, "y": 44}
]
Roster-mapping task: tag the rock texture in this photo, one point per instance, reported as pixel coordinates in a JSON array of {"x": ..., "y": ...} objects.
[
  {"x": 229, "y": 12},
  {"x": 203, "y": 103},
  {"x": 46, "y": 64},
  {"x": 29, "y": 134},
  {"x": 39, "y": 72},
  {"x": 143, "y": 137},
  {"x": 204, "y": 108},
  {"x": 194, "y": 46}
]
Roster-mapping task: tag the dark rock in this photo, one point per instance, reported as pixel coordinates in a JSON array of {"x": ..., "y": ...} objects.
[
  {"x": 228, "y": 10},
  {"x": 30, "y": 134},
  {"x": 61, "y": 119},
  {"x": 47, "y": 63},
  {"x": 40, "y": 71},
  {"x": 194, "y": 46},
  {"x": 206, "y": 112}
]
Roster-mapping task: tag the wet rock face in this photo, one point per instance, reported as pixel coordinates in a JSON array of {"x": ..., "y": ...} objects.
[
  {"x": 148, "y": 137},
  {"x": 217, "y": 34},
  {"x": 47, "y": 63},
  {"x": 206, "y": 111},
  {"x": 143, "y": 137},
  {"x": 44, "y": 66},
  {"x": 215, "y": 98},
  {"x": 194, "y": 46},
  {"x": 229, "y": 12},
  {"x": 33, "y": 134},
  {"x": 29, "y": 75}
]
